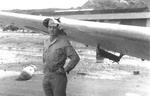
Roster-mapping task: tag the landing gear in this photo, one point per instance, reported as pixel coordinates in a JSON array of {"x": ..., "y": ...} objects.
[
  {"x": 99, "y": 57},
  {"x": 101, "y": 53}
]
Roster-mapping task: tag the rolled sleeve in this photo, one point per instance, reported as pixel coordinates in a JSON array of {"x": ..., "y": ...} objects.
[{"x": 73, "y": 56}]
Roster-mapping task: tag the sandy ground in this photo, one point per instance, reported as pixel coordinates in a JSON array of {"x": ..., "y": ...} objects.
[{"x": 87, "y": 79}]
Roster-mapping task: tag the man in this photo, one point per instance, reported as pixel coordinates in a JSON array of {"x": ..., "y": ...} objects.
[{"x": 56, "y": 51}]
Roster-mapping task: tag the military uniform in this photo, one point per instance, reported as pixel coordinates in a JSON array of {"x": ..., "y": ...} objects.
[{"x": 54, "y": 58}]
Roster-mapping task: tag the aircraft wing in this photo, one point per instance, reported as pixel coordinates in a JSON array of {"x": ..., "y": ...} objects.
[
  {"x": 24, "y": 21},
  {"x": 129, "y": 40}
]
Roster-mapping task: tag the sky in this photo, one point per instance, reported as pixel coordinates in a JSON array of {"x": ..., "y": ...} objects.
[{"x": 39, "y": 4}]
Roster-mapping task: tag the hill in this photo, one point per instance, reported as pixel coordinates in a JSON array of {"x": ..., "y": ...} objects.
[{"x": 114, "y": 4}]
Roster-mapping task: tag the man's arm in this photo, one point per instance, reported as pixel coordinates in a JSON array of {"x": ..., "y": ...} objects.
[{"x": 73, "y": 56}]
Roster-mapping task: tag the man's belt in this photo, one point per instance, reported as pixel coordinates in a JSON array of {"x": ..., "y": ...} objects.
[{"x": 57, "y": 70}]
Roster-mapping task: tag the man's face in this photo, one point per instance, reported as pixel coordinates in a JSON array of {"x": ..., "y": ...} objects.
[{"x": 52, "y": 30}]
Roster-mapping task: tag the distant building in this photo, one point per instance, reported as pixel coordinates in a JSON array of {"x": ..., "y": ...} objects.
[
  {"x": 137, "y": 17},
  {"x": 131, "y": 16}
]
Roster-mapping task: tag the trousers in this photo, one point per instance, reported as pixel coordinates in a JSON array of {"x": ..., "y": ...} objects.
[{"x": 54, "y": 84}]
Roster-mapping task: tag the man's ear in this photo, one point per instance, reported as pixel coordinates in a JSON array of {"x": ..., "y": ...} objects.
[{"x": 60, "y": 27}]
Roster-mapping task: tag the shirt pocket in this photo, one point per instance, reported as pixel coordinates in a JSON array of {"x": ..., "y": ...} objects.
[{"x": 59, "y": 54}]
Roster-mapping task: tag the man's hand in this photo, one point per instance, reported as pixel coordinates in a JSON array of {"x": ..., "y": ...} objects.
[{"x": 60, "y": 70}]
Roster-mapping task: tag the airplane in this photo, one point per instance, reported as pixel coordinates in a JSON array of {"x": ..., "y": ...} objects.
[{"x": 128, "y": 40}]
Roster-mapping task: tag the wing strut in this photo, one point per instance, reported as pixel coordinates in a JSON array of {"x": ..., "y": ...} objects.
[{"x": 101, "y": 54}]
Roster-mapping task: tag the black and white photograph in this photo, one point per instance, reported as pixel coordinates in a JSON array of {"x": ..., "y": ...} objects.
[{"x": 75, "y": 48}]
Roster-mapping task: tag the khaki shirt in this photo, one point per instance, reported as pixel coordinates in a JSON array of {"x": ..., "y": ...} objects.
[{"x": 55, "y": 55}]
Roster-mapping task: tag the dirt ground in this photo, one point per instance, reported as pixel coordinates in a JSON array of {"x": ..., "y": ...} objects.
[{"x": 87, "y": 79}]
